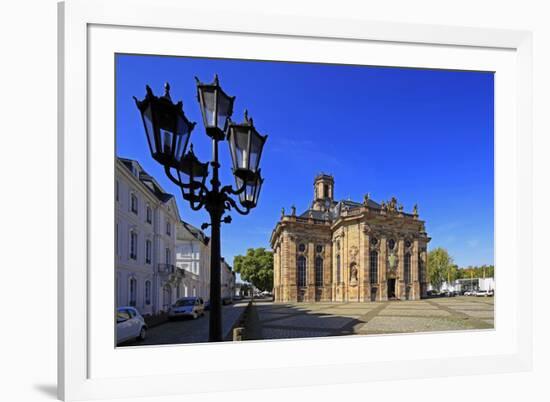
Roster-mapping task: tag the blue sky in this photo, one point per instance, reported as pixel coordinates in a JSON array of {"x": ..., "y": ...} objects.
[{"x": 423, "y": 136}]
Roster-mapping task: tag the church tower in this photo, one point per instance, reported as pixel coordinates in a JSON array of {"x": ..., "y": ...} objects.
[{"x": 323, "y": 192}]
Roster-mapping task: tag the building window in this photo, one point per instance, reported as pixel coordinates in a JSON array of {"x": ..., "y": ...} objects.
[
  {"x": 147, "y": 293},
  {"x": 319, "y": 248},
  {"x": 302, "y": 271},
  {"x": 318, "y": 271},
  {"x": 373, "y": 271},
  {"x": 374, "y": 241},
  {"x": 132, "y": 294},
  {"x": 134, "y": 203},
  {"x": 133, "y": 245},
  {"x": 301, "y": 247},
  {"x": 168, "y": 229},
  {"x": 149, "y": 214},
  {"x": 407, "y": 267},
  {"x": 148, "y": 247},
  {"x": 338, "y": 276},
  {"x": 168, "y": 256},
  {"x": 391, "y": 244}
]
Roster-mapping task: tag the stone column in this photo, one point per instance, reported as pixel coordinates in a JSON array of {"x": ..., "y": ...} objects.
[
  {"x": 344, "y": 268},
  {"x": 382, "y": 269},
  {"x": 364, "y": 279},
  {"x": 415, "y": 291},
  {"x": 327, "y": 272},
  {"x": 289, "y": 268},
  {"x": 400, "y": 283},
  {"x": 310, "y": 271},
  {"x": 276, "y": 273}
]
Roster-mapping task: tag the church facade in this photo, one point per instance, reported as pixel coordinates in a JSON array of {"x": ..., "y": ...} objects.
[{"x": 348, "y": 251}]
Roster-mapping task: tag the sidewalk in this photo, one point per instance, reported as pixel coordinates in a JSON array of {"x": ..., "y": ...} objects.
[{"x": 191, "y": 331}]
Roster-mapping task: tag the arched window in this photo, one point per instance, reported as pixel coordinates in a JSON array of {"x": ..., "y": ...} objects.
[
  {"x": 132, "y": 292},
  {"x": 407, "y": 267},
  {"x": 318, "y": 271},
  {"x": 302, "y": 271},
  {"x": 338, "y": 276},
  {"x": 148, "y": 249},
  {"x": 373, "y": 269},
  {"x": 133, "y": 245},
  {"x": 147, "y": 292}
]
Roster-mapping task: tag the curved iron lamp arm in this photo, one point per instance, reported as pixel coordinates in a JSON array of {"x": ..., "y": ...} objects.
[
  {"x": 200, "y": 197},
  {"x": 180, "y": 183},
  {"x": 229, "y": 189},
  {"x": 233, "y": 204}
]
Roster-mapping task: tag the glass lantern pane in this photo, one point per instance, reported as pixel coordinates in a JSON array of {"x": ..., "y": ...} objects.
[
  {"x": 182, "y": 138},
  {"x": 208, "y": 106},
  {"x": 241, "y": 147},
  {"x": 149, "y": 130},
  {"x": 166, "y": 138},
  {"x": 224, "y": 110},
  {"x": 256, "y": 144}
]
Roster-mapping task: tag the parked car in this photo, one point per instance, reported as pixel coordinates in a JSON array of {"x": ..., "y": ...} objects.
[
  {"x": 187, "y": 307},
  {"x": 130, "y": 325},
  {"x": 470, "y": 293},
  {"x": 226, "y": 300},
  {"x": 237, "y": 297},
  {"x": 484, "y": 293}
]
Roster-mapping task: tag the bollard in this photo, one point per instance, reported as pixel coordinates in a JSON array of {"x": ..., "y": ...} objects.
[{"x": 238, "y": 333}]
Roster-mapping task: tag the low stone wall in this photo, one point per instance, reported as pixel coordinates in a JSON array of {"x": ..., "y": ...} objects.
[{"x": 238, "y": 330}]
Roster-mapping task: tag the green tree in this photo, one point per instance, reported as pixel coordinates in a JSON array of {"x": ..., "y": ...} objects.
[
  {"x": 256, "y": 267},
  {"x": 440, "y": 267}
]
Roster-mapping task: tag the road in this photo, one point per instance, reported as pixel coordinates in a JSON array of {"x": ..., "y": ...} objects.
[
  {"x": 301, "y": 320},
  {"x": 189, "y": 330}
]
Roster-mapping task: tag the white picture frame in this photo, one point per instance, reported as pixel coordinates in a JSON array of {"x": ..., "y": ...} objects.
[{"x": 92, "y": 31}]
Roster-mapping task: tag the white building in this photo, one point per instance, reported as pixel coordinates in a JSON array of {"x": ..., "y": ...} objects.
[
  {"x": 145, "y": 231},
  {"x": 193, "y": 257},
  {"x": 227, "y": 280}
]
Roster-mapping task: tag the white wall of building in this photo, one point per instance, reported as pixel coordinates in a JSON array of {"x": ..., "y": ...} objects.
[{"x": 145, "y": 251}]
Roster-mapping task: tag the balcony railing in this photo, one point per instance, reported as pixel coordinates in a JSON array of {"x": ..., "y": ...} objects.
[{"x": 166, "y": 268}]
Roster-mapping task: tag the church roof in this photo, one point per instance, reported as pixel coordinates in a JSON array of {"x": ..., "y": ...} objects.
[{"x": 335, "y": 210}]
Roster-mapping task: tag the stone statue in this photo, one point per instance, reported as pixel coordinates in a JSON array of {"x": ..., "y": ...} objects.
[
  {"x": 366, "y": 199},
  {"x": 415, "y": 210},
  {"x": 353, "y": 273},
  {"x": 293, "y": 210},
  {"x": 392, "y": 205},
  {"x": 392, "y": 259},
  {"x": 282, "y": 212}
]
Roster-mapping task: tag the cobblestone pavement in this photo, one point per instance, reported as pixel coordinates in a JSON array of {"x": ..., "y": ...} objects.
[
  {"x": 301, "y": 320},
  {"x": 188, "y": 330}
]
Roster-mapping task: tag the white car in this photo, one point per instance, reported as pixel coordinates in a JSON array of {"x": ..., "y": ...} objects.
[
  {"x": 129, "y": 325},
  {"x": 484, "y": 293},
  {"x": 187, "y": 307}
]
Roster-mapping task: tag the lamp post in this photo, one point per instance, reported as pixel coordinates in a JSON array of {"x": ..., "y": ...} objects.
[{"x": 168, "y": 134}]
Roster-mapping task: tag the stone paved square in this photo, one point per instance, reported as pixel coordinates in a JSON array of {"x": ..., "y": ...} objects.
[{"x": 300, "y": 320}]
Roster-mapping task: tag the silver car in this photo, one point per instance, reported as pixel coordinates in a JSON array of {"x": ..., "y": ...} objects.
[{"x": 187, "y": 307}]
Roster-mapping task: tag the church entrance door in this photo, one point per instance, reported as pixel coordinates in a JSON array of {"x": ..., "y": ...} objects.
[{"x": 391, "y": 288}]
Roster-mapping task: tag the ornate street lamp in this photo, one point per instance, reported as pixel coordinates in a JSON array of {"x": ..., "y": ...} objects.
[{"x": 168, "y": 133}]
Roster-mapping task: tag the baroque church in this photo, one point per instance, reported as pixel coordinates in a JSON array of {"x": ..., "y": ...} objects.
[{"x": 349, "y": 251}]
